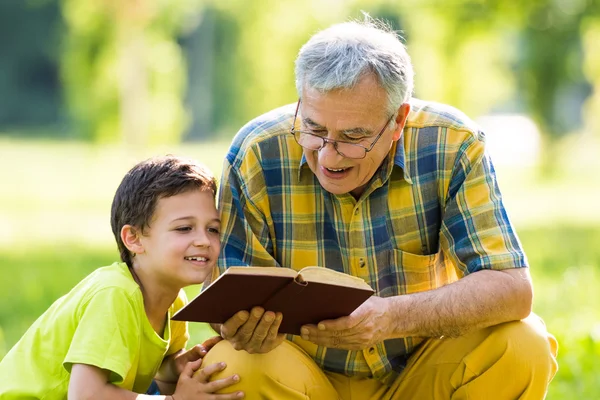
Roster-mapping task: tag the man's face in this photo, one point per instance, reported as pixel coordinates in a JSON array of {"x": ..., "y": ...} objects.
[{"x": 354, "y": 115}]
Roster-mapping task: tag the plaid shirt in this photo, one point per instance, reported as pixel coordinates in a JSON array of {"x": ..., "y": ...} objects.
[{"x": 431, "y": 214}]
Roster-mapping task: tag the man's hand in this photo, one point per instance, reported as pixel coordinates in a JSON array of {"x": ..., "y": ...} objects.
[
  {"x": 256, "y": 331},
  {"x": 369, "y": 324}
]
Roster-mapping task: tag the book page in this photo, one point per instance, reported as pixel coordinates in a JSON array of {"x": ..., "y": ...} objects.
[
  {"x": 325, "y": 275},
  {"x": 268, "y": 271}
]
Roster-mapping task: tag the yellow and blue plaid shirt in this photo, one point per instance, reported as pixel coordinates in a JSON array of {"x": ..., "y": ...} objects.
[{"x": 431, "y": 214}]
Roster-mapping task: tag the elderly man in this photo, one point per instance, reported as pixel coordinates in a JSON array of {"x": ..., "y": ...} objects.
[{"x": 360, "y": 177}]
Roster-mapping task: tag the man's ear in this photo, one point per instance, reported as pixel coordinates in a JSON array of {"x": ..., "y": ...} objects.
[
  {"x": 403, "y": 112},
  {"x": 131, "y": 238}
]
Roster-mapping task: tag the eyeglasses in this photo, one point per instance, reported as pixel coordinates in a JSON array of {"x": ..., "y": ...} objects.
[{"x": 310, "y": 141}]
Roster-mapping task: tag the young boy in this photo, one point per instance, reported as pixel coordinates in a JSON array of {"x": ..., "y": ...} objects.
[{"x": 112, "y": 335}]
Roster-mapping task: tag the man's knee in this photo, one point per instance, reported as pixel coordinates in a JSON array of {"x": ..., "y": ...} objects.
[
  {"x": 527, "y": 345},
  {"x": 527, "y": 339},
  {"x": 241, "y": 362},
  {"x": 287, "y": 368}
]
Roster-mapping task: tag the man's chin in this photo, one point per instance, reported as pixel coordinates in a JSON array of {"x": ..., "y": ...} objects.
[{"x": 335, "y": 189}]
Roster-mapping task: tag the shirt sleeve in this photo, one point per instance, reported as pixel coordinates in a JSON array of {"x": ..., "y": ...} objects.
[
  {"x": 179, "y": 329},
  {"x": 107, "y": 335},
  {"x": 476, "y": 230}
]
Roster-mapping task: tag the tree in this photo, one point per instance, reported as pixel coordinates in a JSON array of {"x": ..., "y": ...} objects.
[{"x": 123, "y": 69}]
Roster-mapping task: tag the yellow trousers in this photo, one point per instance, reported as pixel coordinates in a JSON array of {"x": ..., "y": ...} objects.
[{"x": 514, "y": 360}]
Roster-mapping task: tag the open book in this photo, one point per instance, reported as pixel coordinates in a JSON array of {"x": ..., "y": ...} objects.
[{"x": 309, "y": 296}]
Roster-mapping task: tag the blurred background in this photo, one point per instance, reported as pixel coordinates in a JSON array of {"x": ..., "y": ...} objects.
[{"x": 90, "y": 87}]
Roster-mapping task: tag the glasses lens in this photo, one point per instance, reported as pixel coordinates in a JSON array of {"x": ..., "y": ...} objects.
[
  {"x": 351, "y": 150},
  {"x": 313, "y": 142},
  {"x": 308, "y": 141}
]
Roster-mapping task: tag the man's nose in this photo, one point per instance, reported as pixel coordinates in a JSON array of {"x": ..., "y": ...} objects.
[{"x": 328, "y": 150}]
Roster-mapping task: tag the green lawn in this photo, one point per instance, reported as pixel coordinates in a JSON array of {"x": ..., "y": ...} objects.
[{"x": 54, "y": 229}]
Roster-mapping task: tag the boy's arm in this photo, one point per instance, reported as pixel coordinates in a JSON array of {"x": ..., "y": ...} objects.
[
  {"x": 89, "y": 382},
  {"x": 166, "y": 377}
]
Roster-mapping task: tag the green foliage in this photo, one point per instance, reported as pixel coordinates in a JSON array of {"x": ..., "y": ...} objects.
[
  {"x": 146, "y": 71},
  {"x": 30, "y": 33},
  {"x": 551, "y": 63},
  {"x": 123, "y": 70},
  {"x": 565, "y": 266}
]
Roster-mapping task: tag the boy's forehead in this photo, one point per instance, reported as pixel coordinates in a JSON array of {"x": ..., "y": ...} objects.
[{"x": 186, "y": 204}]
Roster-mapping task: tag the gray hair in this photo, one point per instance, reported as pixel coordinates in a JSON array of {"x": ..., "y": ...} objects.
[{"x": 337, "y": 57}]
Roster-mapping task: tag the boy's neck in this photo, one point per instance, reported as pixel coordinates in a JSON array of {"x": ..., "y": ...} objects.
[{"x": 157, "y": 299}]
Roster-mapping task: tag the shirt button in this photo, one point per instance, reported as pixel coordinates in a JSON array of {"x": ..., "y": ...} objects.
[{"x": 361, "y": 262}]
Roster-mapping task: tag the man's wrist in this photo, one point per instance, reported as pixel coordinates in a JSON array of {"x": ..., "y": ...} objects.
[{"x": 396, "y": 317}]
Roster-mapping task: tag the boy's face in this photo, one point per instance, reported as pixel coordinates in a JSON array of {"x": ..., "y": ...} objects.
[{"x": 182, "y": 244}]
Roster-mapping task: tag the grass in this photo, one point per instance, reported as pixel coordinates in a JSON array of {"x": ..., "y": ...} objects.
[{"x": 54, "y": 230}]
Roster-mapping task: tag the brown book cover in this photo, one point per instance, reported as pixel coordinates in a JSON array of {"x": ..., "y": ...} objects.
[{"x": 309, "y": 296}]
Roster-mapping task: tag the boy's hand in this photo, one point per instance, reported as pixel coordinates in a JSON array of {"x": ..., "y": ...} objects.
[
  {"x": 210, "y": 343},
  {"x": 194, "y": 383},
  {"x": 195, "y": 353}
]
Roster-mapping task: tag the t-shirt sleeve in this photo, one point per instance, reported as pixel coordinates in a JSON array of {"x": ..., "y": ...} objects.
[
  {"x": 179, "y": 329},
  {"x": 107, "y": 334},
  {"x": 476, "y": 226}
]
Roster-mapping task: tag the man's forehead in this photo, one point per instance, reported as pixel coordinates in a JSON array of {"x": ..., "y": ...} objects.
[{"x": 340, "y": 116}]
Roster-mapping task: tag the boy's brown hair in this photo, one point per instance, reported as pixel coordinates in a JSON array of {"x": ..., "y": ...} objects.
[{"x": 150, "y": 180}]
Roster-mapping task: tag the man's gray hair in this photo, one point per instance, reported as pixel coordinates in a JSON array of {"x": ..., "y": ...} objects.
[{"x": 339, "y": 56}]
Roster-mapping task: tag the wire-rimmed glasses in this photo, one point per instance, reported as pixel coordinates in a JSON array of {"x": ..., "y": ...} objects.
[{"x": 311, "y": 141}]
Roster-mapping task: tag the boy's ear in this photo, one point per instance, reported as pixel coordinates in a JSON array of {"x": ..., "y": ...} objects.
[{"x": 131, "y": 238}]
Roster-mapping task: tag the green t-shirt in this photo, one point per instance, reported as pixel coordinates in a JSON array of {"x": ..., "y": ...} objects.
[{"x": 100, "y": 322}]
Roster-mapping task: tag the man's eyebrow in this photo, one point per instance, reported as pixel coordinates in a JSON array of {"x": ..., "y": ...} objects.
[
  {"x": 355, "y": 131},
  {"x": 312, "y": 123},
  {"x": 350, "y": 131}
]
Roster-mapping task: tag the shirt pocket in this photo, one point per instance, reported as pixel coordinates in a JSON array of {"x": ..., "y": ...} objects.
[{"x": 406, "y": 273}]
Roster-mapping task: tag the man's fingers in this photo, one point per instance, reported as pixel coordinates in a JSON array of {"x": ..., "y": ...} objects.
[
  {"x": 264, "y": 326},
  {"x": 274, "y": 329},
  {"x": 230, "y": 328},
  {"x": 245, "y": 332}
]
